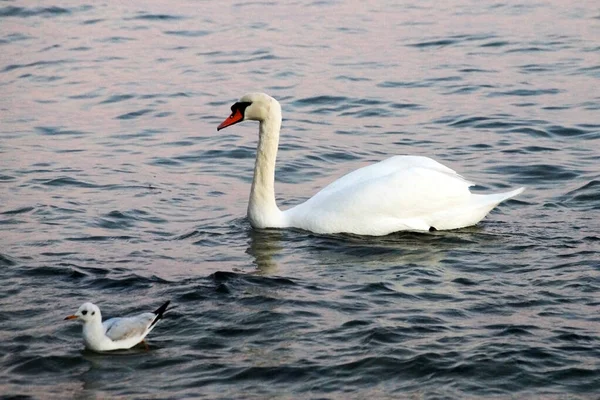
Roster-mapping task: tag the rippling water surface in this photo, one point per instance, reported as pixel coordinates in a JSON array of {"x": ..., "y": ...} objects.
[{"x": 116, "y": 188}]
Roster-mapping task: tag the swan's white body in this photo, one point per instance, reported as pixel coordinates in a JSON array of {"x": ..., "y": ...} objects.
[{"x": 398, "y": 194}]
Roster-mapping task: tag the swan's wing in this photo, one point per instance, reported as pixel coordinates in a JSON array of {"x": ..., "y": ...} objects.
[
  {"x": 386, "y": 167},
  {"x": 126, "y": 328},
  {"x": 406, "y": 198}
]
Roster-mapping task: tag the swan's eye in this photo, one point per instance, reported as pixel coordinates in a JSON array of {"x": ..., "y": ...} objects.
[
  {"x": 240, "y": 106},
  {"x": 84, "y": 312}
]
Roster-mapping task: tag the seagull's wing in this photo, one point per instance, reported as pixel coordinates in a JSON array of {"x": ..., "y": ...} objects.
[
  {"x": 118, "y": 329},
  {"x": 126, "y": 328}
]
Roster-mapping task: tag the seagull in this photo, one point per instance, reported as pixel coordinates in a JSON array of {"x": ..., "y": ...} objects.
[{"x": 115, "y": 333}]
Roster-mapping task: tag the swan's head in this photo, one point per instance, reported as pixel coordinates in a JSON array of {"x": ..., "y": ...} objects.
[
  {"x": 253, "y": 106},
  {"x": 86, "y": 313}
]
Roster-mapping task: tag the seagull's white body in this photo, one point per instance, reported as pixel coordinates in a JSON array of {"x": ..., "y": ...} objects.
[
  {"x": 115, "y": 333},
  {"x": 402, "y": 193}
]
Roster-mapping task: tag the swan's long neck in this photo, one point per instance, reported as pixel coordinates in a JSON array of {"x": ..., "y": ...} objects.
[{"x": 262, "y": 209}]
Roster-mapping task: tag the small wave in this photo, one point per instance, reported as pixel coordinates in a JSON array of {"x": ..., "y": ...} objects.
[
  {"x": 117, "y": 98},
  {"x": 525, "y": 92},
  {"x": 187, "y": 33},
  {"x": 68, "y": 181},
  {"x": 157, "y": 17},
  {"x": 12, "y": 11},
  {"x": 320, "y": 100},
  {"x": 134, "y": 114},
  {"x": 42, "y": 63}
]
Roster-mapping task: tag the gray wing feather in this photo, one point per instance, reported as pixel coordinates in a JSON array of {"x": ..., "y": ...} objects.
[{"x": 125, "y": 328}]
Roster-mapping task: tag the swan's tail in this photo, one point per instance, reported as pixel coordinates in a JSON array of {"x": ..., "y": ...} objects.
[
  {"x": 496, "y": 198},
  {"x": 471, "y": 212}
]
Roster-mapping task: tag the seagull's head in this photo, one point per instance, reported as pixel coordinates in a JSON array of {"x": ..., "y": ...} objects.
[{"x": 86, "y": 313}]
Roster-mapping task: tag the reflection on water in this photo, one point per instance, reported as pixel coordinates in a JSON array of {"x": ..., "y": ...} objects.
[{"x": 265, "y": 245}]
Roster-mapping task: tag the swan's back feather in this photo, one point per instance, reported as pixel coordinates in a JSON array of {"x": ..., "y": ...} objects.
[{"x": 400, "y": 193}]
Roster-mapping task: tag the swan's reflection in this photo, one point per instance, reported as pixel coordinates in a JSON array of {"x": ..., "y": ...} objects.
[
  {"x": 264, "y": 244},
  {"x": 268, "y": 248}
]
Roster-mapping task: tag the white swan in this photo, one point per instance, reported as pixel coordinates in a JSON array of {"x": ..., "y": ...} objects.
[{"x": 401, "y": 193}]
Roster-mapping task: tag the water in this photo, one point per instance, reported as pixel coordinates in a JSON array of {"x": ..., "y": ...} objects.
[{"x": 116, "y": 188}]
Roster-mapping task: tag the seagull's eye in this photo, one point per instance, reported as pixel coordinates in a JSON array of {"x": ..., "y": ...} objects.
[
  {"x": 93, "y": 312},
  {"x": 84, "y": 312}
]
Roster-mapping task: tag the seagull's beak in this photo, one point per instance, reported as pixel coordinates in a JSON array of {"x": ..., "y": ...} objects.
[
  {"x": 234, "y": 118},
  {"x": 71, "y": 317}
]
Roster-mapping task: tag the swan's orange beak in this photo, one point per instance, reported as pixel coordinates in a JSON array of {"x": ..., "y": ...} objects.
[
  {"x": 71, "y": 317},
  {"x": 234, "y": 118}
]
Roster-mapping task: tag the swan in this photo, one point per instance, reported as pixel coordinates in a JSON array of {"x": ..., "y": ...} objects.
[{"x": 401, "y": 193}]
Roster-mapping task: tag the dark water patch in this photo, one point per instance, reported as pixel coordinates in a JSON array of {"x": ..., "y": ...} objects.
[
  {"x": 409, "y": 106},
  {"x": 36, "y": 64},
  {"x": 468, "y": 121},
  {"x": 188, "y": 33},
  {"x": 23, "y": 12},
  {"x": 134, "y": 114},
  {"x": 66, "y": 182},
  {"x": 7, "y": 178},
  {"x": 525, "y": 92},
  {"x": 320, "y": 101},
  {"x": 369, "y": 113},
  {"x": 29, "y": 365},
  {"x": 6, "y": 260},
  {"x": 81, "y": 48},
  {"x": 117, "y": 98},
  {"x": 43, "y": 79},
  {"x": 591, "y": 71},
  {"x": 100, "y": 238},
  {"x": 226, "y": 276},
  {"x": 58, "y": 131},
  {"x": 472, "y": 70},
  {"x": 530, "y": 49},
  {"x": 402, "y": 84},
  {"x": 586, "y": 196},
  {"x": 352, "y": 78},
  {"x": 234, "y": 154},
  {"x": 125, "y": 220},
  {"x": 161, "y": 161},
  {"x": 92, "y": 21},
  {"x": 537, "y": 68},
  {"x": 144, "y": 133},
  {"x": 434, "y": 43},
  {"x": 464, "y": 90},
  {"x": 127, "y": 283},
  {"x": 62, "y": 271},
  {"x": 533, "y": 132},
  {"x": 156, "y": 17},
  {"x": 22, "y": 210},
  {"x": 48, "y": 48},
  {"x": 87, "y": 95},
  {"x": 239, "y": 57},
  {"x": 512, "y": 330},
  {"x": 14, "y": 37},
  {"x": 572, "y": 337},
  {"x": 565, "y": 131},
  {"x": 116, "y": 39},
  {"x": 496, "y": 43},
  {"x": 381, "y": 289}
]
